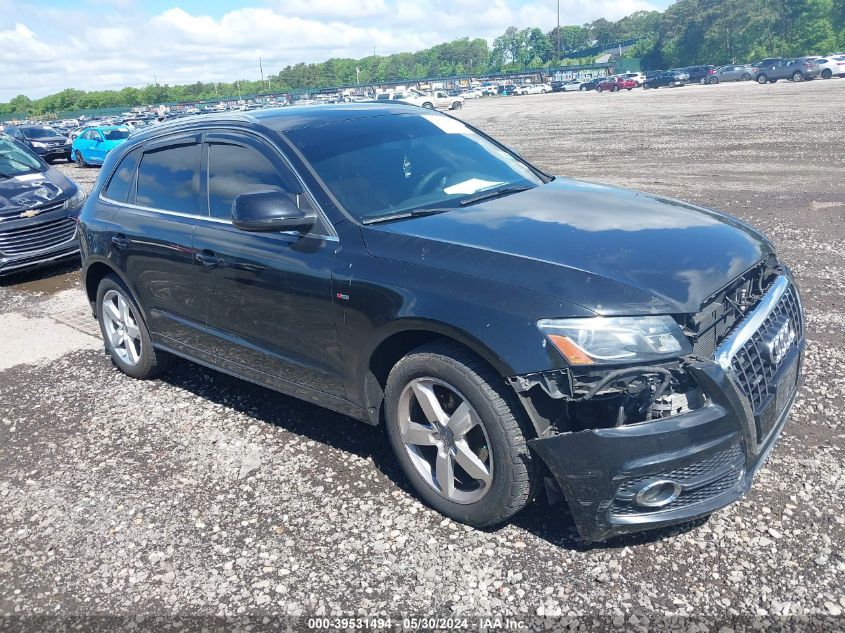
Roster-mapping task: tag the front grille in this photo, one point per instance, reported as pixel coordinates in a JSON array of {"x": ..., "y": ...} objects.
[
  {"x": 700, "y": 482},
  {"x": 15, "y": 211},
  {"x": 714, "y": 322},
  {"x": 752, "y": 367},
  {"x": 37, "y": 237}
]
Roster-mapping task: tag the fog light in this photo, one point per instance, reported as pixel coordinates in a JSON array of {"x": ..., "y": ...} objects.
[{"x": 656, "y": 494}]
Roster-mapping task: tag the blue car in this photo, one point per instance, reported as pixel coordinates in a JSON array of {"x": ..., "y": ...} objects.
[{"x": 94, "y": 143}]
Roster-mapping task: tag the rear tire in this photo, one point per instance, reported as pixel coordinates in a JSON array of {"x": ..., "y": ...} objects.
[
  {"x": 615, "y": 89},
  {"x": 125, "y": 334},
  {"x": 762, "y": 79},
  {"x": 745, "y": 77},
  {"x": 827, "y": 73},
  {"x": 457, "y": 105},
  {"x": 713, "y": 81},
  {"x": 428, "y": 105},
  {"x": 797, "y": 76},
  {"x": 504, "y": 475}
]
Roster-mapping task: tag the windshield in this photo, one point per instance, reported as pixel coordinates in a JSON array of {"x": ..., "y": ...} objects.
[
  {"x": 16, "y": 161},
  {"x": 115, "y": 135},
  {"x": 39, "y": 132},
  {"x": 381, "y": 166}
]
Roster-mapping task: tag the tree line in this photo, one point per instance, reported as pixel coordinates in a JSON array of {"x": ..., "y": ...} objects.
[{"x": 688, "y": 32}]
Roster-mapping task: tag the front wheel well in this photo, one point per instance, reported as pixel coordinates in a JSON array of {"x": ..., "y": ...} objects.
[{"x": 389, "y": 352}]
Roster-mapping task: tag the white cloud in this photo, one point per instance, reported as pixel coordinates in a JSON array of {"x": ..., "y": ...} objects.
[{"x": 113, "y": 43}]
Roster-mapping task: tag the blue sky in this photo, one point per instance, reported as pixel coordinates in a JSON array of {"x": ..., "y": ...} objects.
[{"x": 49, "y": 45}]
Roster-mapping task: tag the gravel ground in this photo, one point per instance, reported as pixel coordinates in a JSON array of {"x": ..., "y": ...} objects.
[{"x": 202, "y": 495}]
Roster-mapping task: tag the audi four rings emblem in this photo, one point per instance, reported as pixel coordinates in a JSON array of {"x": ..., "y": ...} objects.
[{"x": 778, "y": 344}]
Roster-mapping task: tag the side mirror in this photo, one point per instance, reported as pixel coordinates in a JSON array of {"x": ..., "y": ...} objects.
[{"x": 269, "y": 211}]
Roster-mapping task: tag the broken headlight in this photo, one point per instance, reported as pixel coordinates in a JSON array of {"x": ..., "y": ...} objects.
[{"x": 611, "y": 340}]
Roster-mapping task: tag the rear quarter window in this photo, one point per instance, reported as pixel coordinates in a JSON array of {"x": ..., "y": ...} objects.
[{"x": 120, "y": 183}]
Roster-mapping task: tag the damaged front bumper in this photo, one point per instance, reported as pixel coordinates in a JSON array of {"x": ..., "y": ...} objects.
[{"x": 704, "y": 459}]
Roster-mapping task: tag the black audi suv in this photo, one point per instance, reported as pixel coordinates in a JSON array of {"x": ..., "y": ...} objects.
[
  {"x": 38, "y": 210},
  {"x": 636, "y": 354}
]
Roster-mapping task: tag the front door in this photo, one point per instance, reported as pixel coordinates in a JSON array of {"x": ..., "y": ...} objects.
[{"x": 268, "y": 295}]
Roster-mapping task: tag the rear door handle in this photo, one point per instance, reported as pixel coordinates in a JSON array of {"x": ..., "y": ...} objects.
[
  {"x": 120, "y": 241},
  {"x": 207, "y": 259}
]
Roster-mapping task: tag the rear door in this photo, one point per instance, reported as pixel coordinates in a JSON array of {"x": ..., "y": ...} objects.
[
  {"x": 153, "y": 238},
  {"x": 269, "y": 303}
]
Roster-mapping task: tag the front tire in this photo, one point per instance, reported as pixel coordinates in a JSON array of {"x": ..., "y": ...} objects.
[
  {"x": 713, "y": 81},
  {"x": 797, "y": 76},
  {"x": 125, "y": 334},
  {"x": 457, "y": 105},
  {"x": 827, "y": 73},
  {"x": 746, "y": 77},
  {"x": 80, "y": 160},
  {"x": 459, "y": 435},
  {"x": 762, "y": 79}
]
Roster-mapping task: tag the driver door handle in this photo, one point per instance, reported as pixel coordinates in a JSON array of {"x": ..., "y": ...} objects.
[{"x": 207, "y": 259}]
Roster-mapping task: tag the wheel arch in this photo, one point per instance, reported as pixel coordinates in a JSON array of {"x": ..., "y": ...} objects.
[
  {"x": 405, "y": 336},
  {"x": 93, "y": 274}
]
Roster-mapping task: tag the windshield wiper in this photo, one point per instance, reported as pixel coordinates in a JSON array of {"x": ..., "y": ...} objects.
[
  {"x": 494, "y": 193},
  {"x": 415, "y": 213}
]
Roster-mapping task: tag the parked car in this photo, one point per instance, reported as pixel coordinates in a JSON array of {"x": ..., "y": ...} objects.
[
  {"x": 93, "y": 145},
  {"x": 566, "y": 86},
  {"x": 440, "y": 99},
  {"x": 472, "y": 93},
  {"x": 615, "y": 84},
  {"x": 681, "y": 74},
  {"x": 510, "y": 89},
  {"x": 664, "y": 79},
  {"x": 536, "y": 89},
  {"x": 732, "y": 73},
  {"x": 434, "y": 282},
  {"x": 42, "y": 140},
  {"x": 38, "y": 210},
  {"x": 831, "y": 66},
  {"x": 798, "y": 69},
  {"x": 698, "y": 74},
  {"x": 591, "y": 84},
  {"x": 638, "y": 78}
]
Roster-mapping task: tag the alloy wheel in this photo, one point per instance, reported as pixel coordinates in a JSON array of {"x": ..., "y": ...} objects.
[
  {"x": 445, "y": 440},
  {"x": 121, "y": 327}
]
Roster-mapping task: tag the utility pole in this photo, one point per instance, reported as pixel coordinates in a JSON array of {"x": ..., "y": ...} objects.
[
  {"x": 261, "y": 69},
  {"x": 558, "y": 31}
]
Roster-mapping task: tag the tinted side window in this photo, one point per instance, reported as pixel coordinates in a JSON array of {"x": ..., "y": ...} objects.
[
  {"x": 168, "y": 179},
  {"x": 121, "y": 180},
  {"x": 233, "y": 170}
]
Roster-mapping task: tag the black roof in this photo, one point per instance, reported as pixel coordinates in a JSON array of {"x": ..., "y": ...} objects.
[{"x": 287, "y": 118}]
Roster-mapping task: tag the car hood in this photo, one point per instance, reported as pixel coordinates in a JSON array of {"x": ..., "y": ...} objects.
[
  {"x": 612, "y": 251},
  {"x": 32, "y": 190},
  {"x": 48, "y": 139}
]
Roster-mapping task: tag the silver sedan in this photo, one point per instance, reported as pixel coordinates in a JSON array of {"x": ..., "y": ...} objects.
[{"x": 732, "y": 73}]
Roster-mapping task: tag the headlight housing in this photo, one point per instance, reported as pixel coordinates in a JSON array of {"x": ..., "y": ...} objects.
[
  {"x": 38, "y": 144},
  {"x": 614, "y": 340},
  {"x": 77, "y": 199}
]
